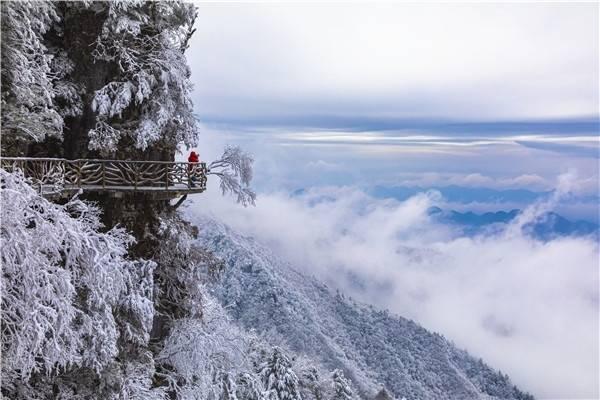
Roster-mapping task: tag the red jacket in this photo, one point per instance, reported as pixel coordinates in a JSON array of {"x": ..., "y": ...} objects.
[{"x": 193, "y": 157}]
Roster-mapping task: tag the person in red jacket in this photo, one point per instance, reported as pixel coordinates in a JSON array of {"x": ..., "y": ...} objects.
[{"x": 193, "y": 159}]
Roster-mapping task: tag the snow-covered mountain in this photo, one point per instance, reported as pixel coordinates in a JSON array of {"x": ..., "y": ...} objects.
[{"x": 373, "y": 347}]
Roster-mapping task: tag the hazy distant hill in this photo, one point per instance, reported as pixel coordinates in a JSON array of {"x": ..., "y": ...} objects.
[
  {"x": 374, "y": 347},
  {"x": 547, "y": 226},
  {"x": 462, "y": 194}
]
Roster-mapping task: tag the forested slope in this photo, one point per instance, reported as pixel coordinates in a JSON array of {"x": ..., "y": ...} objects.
[{"x": 374, "y": 347}]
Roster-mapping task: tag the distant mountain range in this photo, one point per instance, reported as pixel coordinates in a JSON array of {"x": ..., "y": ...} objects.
[
  {"x": 462, "y": 194},
  {"x": 547, "y": 226},
  {"x": 483, "y": 195},
  {"x": 373, "y": 347},
  {"x": 452, "y": 193}
]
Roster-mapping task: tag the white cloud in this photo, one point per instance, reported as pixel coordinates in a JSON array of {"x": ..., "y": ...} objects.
[
  {"x": 528, "y": 308},
  {"x": 321, "y": 165},
  {"x": 530, "y": 181},
  {"x": 280, "y": 166},
  {"x": 469, "y": 61},
  {"x": 579, "y": 185}
]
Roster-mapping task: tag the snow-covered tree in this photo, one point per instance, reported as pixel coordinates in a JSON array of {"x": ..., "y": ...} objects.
[
  {"x": 279, "y": 380},
  {"x": 312, "y": 384},
  {"x": 184, "y": 269},
  {"x": 28, "y": 108},
  {"x": 227, "y": 387},
  {"x": 148, "y": 99},
  {"x": 342, "y": 389},
  {"x": 234, "y": 169},
  {"x": 110, "y": 73},
  {"x": 250, "y": 387},
  {"x": 71, "y": 298},
  {"x": 209, "y": 358}
]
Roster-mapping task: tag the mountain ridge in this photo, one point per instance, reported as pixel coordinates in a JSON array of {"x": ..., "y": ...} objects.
[
  {"x": 373, "y": 347},
  {"x": 546, "y": 226}
]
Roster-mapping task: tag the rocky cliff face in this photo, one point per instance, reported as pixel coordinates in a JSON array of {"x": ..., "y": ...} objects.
[
  {"x": 92, "y": 74},
  {"x": 98, "y": 53}
]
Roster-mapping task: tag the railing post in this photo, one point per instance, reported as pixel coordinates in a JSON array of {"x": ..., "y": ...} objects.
[
  {"x": 167, "y": 176},
  {"x": 103, "y": 174},
  {"x": 135, "y": 175},
  {"x": 79, "y": 173},
  {"x": 189, "y": 175},
  {"x": 62, "y": 166}
]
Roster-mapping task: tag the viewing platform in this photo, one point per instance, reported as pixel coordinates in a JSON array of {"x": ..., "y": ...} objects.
[{"x": 55, "y": 176}]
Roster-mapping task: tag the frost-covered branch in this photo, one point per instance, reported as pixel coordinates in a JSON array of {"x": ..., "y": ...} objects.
[
  {"x": 27, "y": 90},
  {"x": 69, "y": 293},
  {"x": 234, "y": 168},
  {"x": 146, "y": 41}
]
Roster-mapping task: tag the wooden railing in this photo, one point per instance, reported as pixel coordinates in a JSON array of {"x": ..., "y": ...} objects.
[{"x": 120, "y": 175}]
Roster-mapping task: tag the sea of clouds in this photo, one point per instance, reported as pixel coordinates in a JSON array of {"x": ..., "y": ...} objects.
[{"x": 528, "y": 308}]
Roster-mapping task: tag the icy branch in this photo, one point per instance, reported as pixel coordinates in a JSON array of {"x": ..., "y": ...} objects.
[
  {"x": 69, "y": 293},
  {"x": 234, "y": 168}
]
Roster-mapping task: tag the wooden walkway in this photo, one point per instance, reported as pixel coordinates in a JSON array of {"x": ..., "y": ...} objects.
[{"x": 56, "y": 175}]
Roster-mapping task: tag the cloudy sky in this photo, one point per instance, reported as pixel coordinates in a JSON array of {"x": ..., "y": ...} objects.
[
  {"x": 368, "y": 93},
  {"x": 337, "y": 98},
  {"x": 363, "y": 64}
]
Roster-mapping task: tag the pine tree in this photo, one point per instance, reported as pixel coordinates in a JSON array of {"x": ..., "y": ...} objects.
[
  {"x": 311, "y": 383},
  {"x": 226, "y": 387},
  {"x": 342, "y": 389},
  {"x": 280, "y": 381},
  {"x": 249, "y": 387}
]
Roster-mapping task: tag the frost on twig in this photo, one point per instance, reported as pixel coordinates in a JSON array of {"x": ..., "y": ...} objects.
[{"x": 234, "y": 168}]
